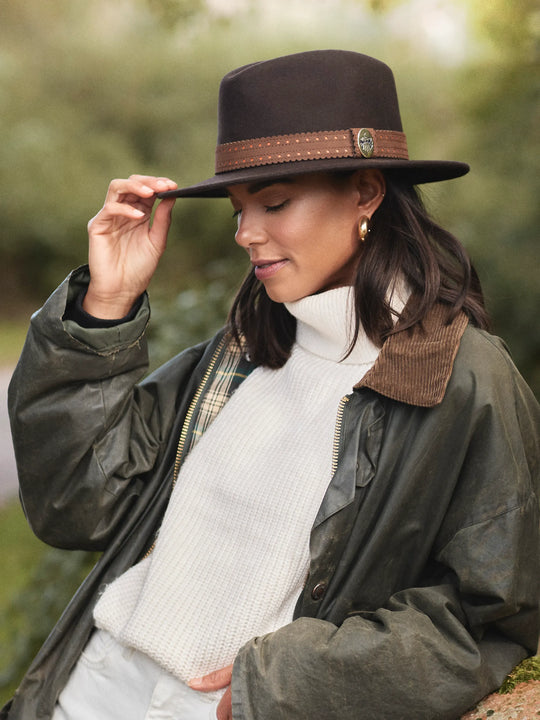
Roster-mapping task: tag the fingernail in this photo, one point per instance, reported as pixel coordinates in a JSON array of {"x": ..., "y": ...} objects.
[
  {"x": 138, "y": 213},
  {"x": 195, "y": 683}
]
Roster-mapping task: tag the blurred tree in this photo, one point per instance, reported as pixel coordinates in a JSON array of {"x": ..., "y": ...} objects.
[
  {"x": 82, "y": 104},
  {"x": 497, "y": 205},
  {"x": 172, "y": 12},
  {"x": 34, "y": 610}
]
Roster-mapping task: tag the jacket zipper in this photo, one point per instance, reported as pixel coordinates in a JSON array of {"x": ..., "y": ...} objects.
[
  {"x": 191, "y": 410},
  {"x": 185, "y": 427},
  {"x": 337, "y": 432}
]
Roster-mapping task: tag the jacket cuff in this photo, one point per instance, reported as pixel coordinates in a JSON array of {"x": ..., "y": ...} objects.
[
  {"x": 76, "y": 312},
  {"x": 99, "y": 335}
]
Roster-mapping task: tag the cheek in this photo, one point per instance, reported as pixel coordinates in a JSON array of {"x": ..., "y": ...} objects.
[
  {"x": 341, "y": 243},
  {"x": 342, "y": 257}
]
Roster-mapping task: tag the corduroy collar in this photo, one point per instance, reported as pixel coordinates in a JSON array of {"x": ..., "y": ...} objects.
[{"x": 414, "y": 366}]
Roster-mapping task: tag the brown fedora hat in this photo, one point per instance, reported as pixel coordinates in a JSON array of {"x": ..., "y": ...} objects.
[{"x": 323, "y": 110}]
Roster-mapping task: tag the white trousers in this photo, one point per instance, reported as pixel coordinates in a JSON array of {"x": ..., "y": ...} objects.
[{"x": 111, "y": 682}]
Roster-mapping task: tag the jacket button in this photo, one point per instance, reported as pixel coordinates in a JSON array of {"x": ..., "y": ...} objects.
[{"x": 318, "y": 591}]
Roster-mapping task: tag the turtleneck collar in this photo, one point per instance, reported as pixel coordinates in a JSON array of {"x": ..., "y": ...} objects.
[{"x": 325, "y": 325}]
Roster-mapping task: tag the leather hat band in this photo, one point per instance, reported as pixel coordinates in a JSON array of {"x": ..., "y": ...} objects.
[{"x": 351, "y": 143}]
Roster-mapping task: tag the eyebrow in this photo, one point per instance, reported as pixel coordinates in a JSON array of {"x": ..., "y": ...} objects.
[{"x": 255, "y": 188}]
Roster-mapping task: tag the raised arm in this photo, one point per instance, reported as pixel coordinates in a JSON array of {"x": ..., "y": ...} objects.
[{"x": 83, "y": 430}]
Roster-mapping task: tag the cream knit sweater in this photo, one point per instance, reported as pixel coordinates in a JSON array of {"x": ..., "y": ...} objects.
[{"x": 233, "y": 551}]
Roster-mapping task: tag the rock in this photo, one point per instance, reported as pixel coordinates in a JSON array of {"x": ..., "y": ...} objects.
[{"x": 522, "y": 703}]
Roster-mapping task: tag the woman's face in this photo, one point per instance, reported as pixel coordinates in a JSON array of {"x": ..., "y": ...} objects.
[{"x": 301, "y": 233}]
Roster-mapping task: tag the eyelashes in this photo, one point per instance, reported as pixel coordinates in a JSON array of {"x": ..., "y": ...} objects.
[
  {"x": 267, "y": 208},
  {"x": 277, "y": 208}
]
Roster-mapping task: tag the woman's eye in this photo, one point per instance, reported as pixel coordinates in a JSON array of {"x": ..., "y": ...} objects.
[
  {"x": 276, "y": 208},
  {"x": 236, "y": 213}
]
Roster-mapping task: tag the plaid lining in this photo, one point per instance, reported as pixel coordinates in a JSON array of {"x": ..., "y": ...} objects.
[
  {"x": 230, "y": 370},
  {"x": 225, "y": 373}
]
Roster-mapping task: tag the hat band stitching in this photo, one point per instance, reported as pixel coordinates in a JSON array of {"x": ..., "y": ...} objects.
[{"x": 329, "y": 144}]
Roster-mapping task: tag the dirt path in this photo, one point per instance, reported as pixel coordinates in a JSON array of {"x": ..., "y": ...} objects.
[{"x": 8, "y": 473}]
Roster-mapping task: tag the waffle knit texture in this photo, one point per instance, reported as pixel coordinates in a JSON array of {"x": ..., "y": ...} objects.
[{"x": 232, "y": 554}]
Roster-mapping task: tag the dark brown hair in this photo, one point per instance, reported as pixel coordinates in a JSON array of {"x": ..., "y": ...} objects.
[{"x": 403, "y": 240}]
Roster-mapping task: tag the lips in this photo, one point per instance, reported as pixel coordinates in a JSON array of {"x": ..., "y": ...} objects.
[{"x": 266, "y": 268}]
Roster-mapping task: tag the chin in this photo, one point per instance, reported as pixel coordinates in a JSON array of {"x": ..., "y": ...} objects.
[{"x": 285, "y": 297}]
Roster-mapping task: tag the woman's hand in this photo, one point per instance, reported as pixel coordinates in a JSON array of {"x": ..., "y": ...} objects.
[
  {"x": 124, "y": 248},
  {"x": 216, "y": 681}
]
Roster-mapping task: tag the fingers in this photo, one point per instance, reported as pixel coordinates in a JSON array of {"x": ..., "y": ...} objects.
[
  {"x": 133, "y": 199},
  {"x": 117, "y": 209},
  {"x": 213, "y": 681},
  {"x": 139, "y": 186},
  {"x": 216, "y": 681},
  {"x": 224, "y": 709}
]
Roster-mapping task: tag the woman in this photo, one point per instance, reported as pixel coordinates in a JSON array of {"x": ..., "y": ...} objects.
[{"x": 344, "y": 480}]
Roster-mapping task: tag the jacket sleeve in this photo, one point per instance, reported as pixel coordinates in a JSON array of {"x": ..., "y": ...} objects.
[
  {"x": 434, "y": 649},
  {"x": 84, "y": 432}
]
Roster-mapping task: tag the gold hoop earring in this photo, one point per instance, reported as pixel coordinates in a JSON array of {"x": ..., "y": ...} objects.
[{"x": 363, "y": 227}]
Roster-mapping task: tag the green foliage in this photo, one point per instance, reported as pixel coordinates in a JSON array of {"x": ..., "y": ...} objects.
[
  {"x": 88, "y": 103},
  {"x": 12, "y": 335},
  {"x": 172, "y": 12},
  {"x": 193, "y": 314},
  {"x": 21, "y": 552},
  {"x": 37, "y": 584},
  {"x": 34, "y": 610},
  {"x": 526, "y": 671},
  {"x": 497, "y": 207}
]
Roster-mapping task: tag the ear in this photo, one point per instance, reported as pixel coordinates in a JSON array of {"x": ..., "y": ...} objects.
[{"x": 371, "y": 186}]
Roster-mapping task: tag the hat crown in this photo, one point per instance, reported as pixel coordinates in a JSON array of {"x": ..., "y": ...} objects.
[
  {"x": 307, "y": 92},
  {"x": 316, "y": 111}
]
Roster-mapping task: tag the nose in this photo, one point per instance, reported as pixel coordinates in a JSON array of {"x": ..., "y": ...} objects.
[{"x": 249, "y": 232}]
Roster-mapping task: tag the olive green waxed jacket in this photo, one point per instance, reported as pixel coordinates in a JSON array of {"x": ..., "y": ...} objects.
[{"x": 423, "y": 585}]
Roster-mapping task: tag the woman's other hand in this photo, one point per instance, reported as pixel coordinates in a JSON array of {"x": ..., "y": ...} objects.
[
  {"x": 217, "y": 680},
  {"x": 124, "y": 246}
]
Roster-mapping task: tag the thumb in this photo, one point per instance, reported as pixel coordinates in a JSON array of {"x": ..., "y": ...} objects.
[
  {"x": 213, "y": 681},
  {"x": 162, "y": 221}
]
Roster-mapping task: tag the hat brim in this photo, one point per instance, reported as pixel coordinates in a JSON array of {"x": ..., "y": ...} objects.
[{"x": 414, "y": 172}]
